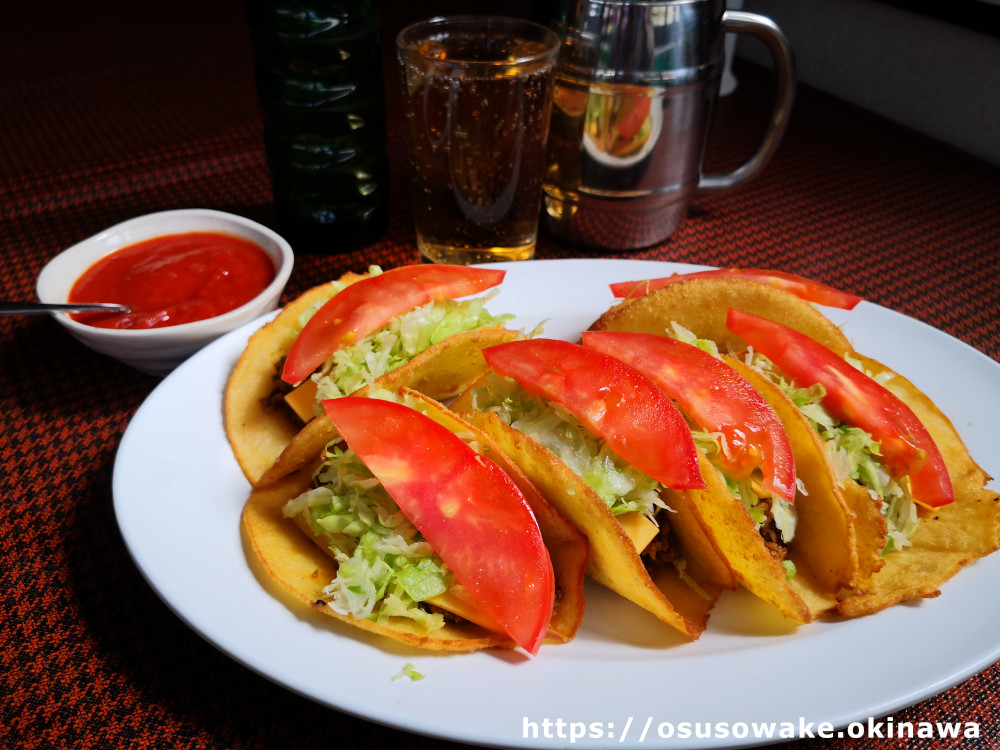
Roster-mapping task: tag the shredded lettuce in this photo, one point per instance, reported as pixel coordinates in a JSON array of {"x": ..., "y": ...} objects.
[
  {"x": 410, "y": 671},
  {"x": 785, "y": 518},
  {"x": 385, "y": 568},
  {"x": 853, "y": 454},
  {"x": 681, "y": 333},
  {"x": 748, "y": 489},
  {"x": 399, "y": 342},
  {"x": 790, "y": 569}
]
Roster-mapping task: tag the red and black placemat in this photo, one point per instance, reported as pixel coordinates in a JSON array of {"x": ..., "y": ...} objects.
[{"x": 111, "y": 112}]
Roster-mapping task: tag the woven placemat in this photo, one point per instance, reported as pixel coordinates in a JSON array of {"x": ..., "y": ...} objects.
[{"x": 103, "y": 119}]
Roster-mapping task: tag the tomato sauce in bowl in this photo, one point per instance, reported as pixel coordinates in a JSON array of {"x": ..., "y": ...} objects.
[{"x": 174, "y": 279}]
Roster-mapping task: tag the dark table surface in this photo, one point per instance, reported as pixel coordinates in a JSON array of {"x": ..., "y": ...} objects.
[{"x": 110, "y": 113}]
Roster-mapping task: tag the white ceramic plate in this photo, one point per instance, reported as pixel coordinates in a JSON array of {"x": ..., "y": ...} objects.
[{"x": 627, "y": 679}]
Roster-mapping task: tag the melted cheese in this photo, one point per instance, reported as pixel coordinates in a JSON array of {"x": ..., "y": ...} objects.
[
  {"x": 639, "y": 529},
  {"x": 302, "y": 399},
  {"x": 458, "y": 601}
]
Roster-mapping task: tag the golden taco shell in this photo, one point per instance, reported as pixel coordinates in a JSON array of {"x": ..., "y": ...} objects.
[
  {"x": 730, "y": 527},
  {"x": 256, "y": 427},
  {"x": 700, "y": 306},
  {"x": 259, "y": 426},
  {"x": 441, "y": 372},
  {"x": 949, "y": 537},
  {"x": 840, "y": 530},
  {"x": 614, "y": 562},
  {"x": 824, "y": 549},
  {"x": 293, "y": 564}
]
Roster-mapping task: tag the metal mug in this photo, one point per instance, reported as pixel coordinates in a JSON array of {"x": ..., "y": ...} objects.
[{"x": 636, "y": 83}]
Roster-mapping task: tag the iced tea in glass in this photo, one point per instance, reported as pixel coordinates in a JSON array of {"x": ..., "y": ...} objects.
[{"x": 477, "y": 92}]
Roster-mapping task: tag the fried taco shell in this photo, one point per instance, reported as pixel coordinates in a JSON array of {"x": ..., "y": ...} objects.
[
  {"x": 259, "y": 425},
  {"x": 257, "y": 428},
  {"x": 824, "y": 549},
  {"x": 682, "y": 600},
  {"x": 700, "y": 305},
  {"x": 947, "y": 537},
  {"x": 441, "y": 372},
  {"x": 794, "y": 547},
  {"x": 292, "y": 562}
]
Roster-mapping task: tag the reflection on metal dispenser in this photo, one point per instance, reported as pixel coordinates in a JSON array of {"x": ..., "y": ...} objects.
[{"x": 635, "y": 87}]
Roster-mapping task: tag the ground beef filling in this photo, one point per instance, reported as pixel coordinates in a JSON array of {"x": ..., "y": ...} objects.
[
  {"x": 770, "y": 533},
  {"x": 275, "y": 400},
  {"x": 660, "y": 551}
]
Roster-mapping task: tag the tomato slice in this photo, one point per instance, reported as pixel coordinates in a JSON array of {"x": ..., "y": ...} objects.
[
  {"x": 634, "y": 113},
  {"x": 368, "y": 304},
  {"x": 854, "y": 398},
  {"x": 638, "y": 421},
  {"x": 469, "y": 511},
  {"x": 717, "y": 397},
  {"x": 807, "y": 289}
]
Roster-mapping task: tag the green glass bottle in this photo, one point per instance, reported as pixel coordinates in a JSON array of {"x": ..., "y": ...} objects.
[{"x": 318, "y": 68}]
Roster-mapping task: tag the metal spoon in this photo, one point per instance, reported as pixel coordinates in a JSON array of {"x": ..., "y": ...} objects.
[{"x": 41, "y": 308}]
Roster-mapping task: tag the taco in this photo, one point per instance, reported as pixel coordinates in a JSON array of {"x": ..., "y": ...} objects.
[
  {"x": 602, "y": 443},
  {"x": 784, "y": 530},
  {"x": 388, "y": 529},
  {"x": 940, "y": 515},
  {"x": 400, "y": 327},
  {"x": 700, "y": 304},
  {"x": 919, "y": 506},
  {"x": 803, "y": 288}
]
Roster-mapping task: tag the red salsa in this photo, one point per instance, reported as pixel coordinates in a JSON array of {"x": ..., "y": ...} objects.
[{"x": 174, "y": 279}]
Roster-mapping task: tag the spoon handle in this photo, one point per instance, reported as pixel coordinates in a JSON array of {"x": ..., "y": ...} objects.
[{"x": 40, "y": 308}]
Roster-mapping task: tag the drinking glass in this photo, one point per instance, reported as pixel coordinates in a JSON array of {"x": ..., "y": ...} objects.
[{"x": 477, "y": 93}]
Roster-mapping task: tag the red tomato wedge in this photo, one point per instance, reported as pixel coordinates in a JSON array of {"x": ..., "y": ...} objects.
[
  {"x": 807, "y": 289},
  {"x": 638, "y": 421},
  {"x": 469, "y": 511},
  {"x": 854, "y": 398},
  {"x": 636, "y": 112},
  {"x": 715, "y": 396},
  {"x": 367, "y": 305}
]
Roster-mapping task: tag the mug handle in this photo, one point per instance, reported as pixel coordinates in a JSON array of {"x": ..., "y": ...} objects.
[{"x": 739, "y": 22}]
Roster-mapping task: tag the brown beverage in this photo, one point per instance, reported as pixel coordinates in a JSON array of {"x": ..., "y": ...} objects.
[{"x": 476, "y": 104}]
